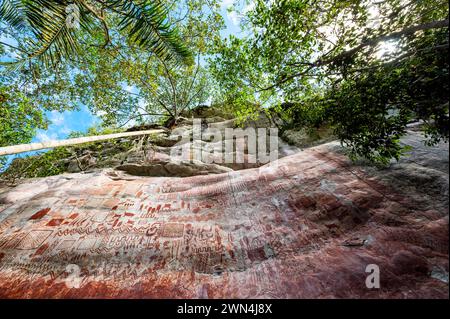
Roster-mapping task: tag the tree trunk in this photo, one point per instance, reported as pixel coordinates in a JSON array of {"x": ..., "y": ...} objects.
[{"x": 9, "y": 150}]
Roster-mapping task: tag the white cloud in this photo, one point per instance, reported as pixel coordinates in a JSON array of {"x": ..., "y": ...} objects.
[
  {"x": 65, "y": 130},
  {"x": 43, "y": 137},
  {"x": 249, "y": 7},
  {"x": 234, "y": 17},
  {"x": 101, "y": 113},
  {"x": 57, "y": 118},
  {"x": 226, "y": 3}
]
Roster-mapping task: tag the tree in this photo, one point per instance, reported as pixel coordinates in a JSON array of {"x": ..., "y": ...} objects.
[
  {"x": 371, "y": 108},
  {"x": 325, "y": 56},
  {"x": 173, "y": 91},
  {"x": 20, "y": 119},
  {"x": 121, "y": 80},
  {"x": 38, "y": 72},
  {"x": 156, "y": 89},
  {"x": 52, "y": 26}
]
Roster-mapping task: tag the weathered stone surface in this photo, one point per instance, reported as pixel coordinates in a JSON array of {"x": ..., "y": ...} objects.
[
  {"x": 173, "y": 168},
  {"x": 81, "y": 163},
  {"x": 155, "y": 159},
  {"x": 149, "y": 155},
  {"x": 305, "y": 138},
  {"x": 306, "y": 228}
]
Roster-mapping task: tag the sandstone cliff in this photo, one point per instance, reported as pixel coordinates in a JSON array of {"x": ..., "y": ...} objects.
[{"x": 306, "y": 227}]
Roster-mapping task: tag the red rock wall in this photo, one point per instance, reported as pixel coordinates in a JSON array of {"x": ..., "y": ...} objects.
[{"x": 305, "y": 229}]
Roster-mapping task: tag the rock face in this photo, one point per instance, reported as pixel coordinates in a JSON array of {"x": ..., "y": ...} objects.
[
  {"x": 304, "y": 138},
  {"x": 172, "y": 168},
  {"x": 308, "y": 227},
  {"x": 153, "y": 155}
]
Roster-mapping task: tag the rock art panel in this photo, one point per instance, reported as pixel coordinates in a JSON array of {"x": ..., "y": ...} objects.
[{"x": 306, "y": 228}]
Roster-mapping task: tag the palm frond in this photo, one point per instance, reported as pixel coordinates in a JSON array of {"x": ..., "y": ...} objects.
[
  {"x": 147, "y": 22},
  {"x": 53, "y": 40},
  {"x": 12, "y": 13}
]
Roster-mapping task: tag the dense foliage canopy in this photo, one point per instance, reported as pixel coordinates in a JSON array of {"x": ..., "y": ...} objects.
[
  {"x": 361, "y": 67},
  {"x": 19, "y": 119},
  {"x": 365, "y": 67},
  {"x": 126, "y": 62}
]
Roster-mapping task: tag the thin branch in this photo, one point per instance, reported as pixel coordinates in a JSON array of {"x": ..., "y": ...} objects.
[
  {"x": 13, "y": 47},
  {"x": 140, "y": 115},
  {"x": 374, "y": 41},
  {"x": 172, "y": 84},
  {"x": 102, "y": 20},
  {"x": 368, "y": 43}
]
